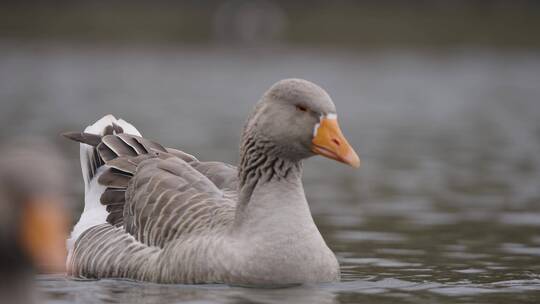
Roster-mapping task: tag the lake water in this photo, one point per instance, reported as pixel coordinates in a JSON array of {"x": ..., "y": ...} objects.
[{"x": 446, "y": 205}]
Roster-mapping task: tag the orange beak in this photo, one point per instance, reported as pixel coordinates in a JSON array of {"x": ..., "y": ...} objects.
[
  {"x": 330, "y": 142},
  {"x": 43, "y": 234}
]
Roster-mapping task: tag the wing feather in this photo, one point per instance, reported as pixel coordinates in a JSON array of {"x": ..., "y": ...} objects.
[
  {"x": 118, "y": 146},
  {"x": 160, "y": 194},
  {"x": 129, "y": 140},
  {"x": 168, "y": 199}
]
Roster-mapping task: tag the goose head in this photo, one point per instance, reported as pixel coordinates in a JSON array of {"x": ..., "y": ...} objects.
[{"x": 299, "y": 118}]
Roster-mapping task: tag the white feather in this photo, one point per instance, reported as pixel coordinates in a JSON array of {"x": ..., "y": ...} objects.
[
  {"x": 128, "y": 128},
  {"x": 317, "y": 125},
  {"x": 331, "y": 116},
  {"x": 94, "y": 212}
]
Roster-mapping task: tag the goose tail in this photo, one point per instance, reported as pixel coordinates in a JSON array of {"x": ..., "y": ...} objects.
[{"x": 93, "y": 166}]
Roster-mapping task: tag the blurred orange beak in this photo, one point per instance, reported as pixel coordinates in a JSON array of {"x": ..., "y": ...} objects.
[
  {"x": 330, "y": 142},
  {"x": 43, "y": 234}
]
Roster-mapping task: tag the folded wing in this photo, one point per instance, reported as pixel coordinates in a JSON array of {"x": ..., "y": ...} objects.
[{"x": 159, "y": 194}]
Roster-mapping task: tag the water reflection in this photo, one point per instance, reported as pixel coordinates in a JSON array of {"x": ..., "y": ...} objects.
[{"x": 123, "y": 291}]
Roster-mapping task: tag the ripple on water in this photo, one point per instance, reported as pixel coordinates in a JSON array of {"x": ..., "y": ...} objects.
[
  {"x": 520, "y": 249},
  {"x": 456, "y": 289},
  {"x": 344, "y": 220},
  {"x": 466, "y": 255},
  {"x": 470, "y": 270},
  {"x": 463, "y": 290},
  {"x": 520, "y": 218},
  {"x": 380, "y": 262},
  {"x": 401, "y": 252},
  {"x": 373, "y": 236}
]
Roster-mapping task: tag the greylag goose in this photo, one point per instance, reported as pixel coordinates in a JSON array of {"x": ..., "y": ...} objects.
[
  {"x": 159, "y": 214},
  {"x": 33, "y": 221}
]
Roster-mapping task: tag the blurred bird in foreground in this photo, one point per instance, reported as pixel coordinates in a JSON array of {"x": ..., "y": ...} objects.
[{"x": 33, "y": 220}]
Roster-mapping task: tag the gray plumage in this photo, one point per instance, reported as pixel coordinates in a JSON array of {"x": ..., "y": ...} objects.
[{"x": 174, "y": 219}]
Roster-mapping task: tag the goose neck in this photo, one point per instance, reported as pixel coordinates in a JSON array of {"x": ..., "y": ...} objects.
[{"x": 267, "y": 180}]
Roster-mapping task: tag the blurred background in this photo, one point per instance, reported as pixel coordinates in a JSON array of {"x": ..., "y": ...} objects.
[{"x": 440, "y": 99}]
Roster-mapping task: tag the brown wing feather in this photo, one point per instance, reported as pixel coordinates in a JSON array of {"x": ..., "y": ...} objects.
[
  {"x": 118, "y": 146},
  {"x": 129, "y": 140},
  {"x": 148, "y": 144},
  {"x": 85, "y": 138},
  {"x": 113, "y": 196},
  {"x": 106, "y": 153},
  {"x": 114, "y": 178}
]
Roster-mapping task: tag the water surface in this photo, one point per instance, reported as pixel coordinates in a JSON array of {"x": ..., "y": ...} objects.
[{"x": 446, "y": 206}]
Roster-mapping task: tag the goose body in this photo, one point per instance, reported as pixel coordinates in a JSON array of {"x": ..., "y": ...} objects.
[{"x": 159, "y": 214}]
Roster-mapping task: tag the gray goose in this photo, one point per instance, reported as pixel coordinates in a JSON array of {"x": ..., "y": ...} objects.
[
  {"x": 33, "y": 221},
  {"x": 158, "y": 214}
]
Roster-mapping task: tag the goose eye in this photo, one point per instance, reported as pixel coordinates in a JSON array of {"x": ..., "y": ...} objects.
[{"x": 301, "y": 108}]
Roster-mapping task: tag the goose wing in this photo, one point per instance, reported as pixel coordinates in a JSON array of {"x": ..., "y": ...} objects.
[
  {"x": 223, "y": 175},
  {"x": 159, "y": 194},
  {"x": 167, "y": 199}
]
